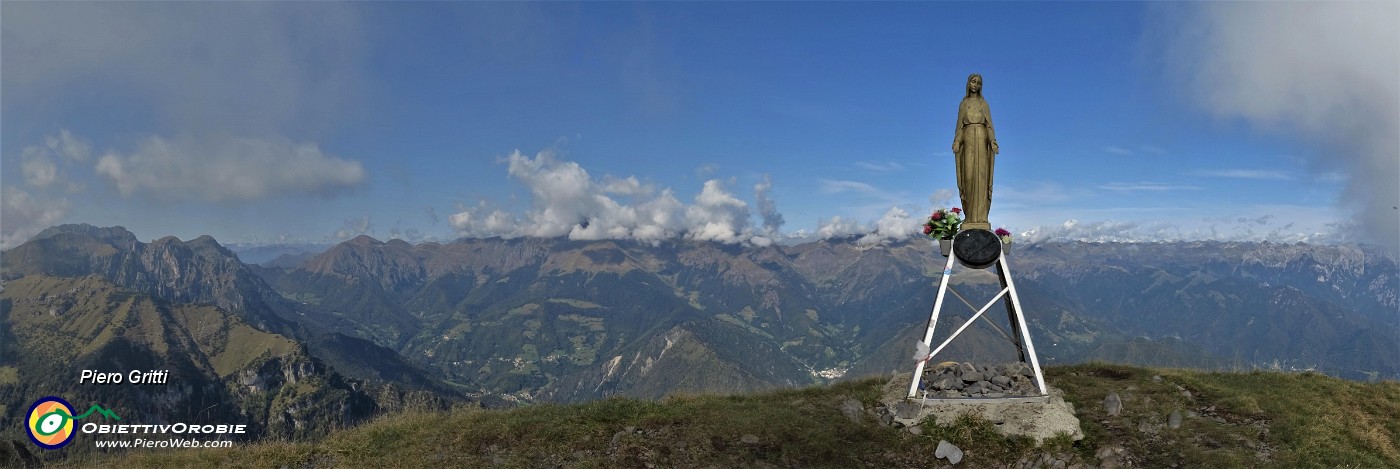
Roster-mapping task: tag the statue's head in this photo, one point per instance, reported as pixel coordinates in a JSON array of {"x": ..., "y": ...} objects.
[{"x": 974, "y": 85}]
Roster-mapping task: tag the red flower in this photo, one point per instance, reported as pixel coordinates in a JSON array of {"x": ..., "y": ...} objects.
[
  {"x": 928, "y": 229},
  {"x": 957, "y": 210},
  {"x": 937, "y": 215},
  {"x": 1002, "y": 232}
]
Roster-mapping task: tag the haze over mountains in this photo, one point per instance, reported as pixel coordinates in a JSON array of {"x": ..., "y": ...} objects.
[{"x": 305, "y": 342}]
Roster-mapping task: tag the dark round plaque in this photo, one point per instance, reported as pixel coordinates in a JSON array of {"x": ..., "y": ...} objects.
[{"x": 977, "y": 248}]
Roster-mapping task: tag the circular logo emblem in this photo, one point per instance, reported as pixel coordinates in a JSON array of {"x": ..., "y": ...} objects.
[{"x": 50, "y": 422}]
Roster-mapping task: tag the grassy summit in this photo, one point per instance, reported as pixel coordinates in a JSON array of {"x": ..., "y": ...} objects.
[{"x": 1258, "y": 419}]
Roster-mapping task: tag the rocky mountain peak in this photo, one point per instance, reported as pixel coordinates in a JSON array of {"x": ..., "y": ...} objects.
[{"x": 117, "y": 236}]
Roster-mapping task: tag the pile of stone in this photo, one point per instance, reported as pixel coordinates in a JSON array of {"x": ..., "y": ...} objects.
[{"x": 964, "y": 380}]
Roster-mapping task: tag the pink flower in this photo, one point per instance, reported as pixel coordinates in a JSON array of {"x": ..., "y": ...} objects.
[
  {"x": 957, "y": 210},
  {"x": 1003, "y": 232}
]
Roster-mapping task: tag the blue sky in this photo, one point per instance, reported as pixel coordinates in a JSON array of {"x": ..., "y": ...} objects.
[{"x": 732, "y": 122}]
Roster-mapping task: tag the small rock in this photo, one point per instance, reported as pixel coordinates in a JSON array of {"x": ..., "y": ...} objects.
[
  {"x": 947, "y": 450},
  {"x": 749, "y": 439},
  {"x": 948, "y": 382},
  {"x": 1186, "y": 394},
  {"x": 617, "y": 438},
  {"x": 965, "y": 368},
  {"x": 972, "y": 377},
  {"x": 853, "y": 410},
  {"x": 1156, "y": 379},
  {"x": 1001, "y": 381},
  {"x": 1174, "y": 421},
  {"x": 1146, "y": 427},
  {"x": 1113, "y": 404},
  {"x": 917, "y": 430}
]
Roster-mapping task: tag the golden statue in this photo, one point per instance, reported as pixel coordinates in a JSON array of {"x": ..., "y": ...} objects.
[{"x": 975, "y": 149}]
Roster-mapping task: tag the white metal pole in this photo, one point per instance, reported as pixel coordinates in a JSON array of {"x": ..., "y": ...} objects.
[
  {"x": 1025, "y": 331},
  {"x": 932, "y": 321}
]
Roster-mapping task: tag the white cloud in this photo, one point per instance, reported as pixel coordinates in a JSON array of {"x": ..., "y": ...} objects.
[
  {"x": 568, "y": 202},
  {"x": 895, "y": 225},
  {"x": 225, "y": 168},
  {"x": 483, "y": 223},
  {"x": 838, "y": 227},
  {"x": 1327, "y": 73},
  {"x": 1074, "y": 230},
  {"x": 23, "y": 215},
  {"x": 717, "y": 215},
  {"x": 628, "y": 186}
]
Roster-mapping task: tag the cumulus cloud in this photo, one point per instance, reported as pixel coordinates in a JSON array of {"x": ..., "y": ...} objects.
[
  {"x": 566, "y": 201},
  {"x": 717, "y": 215},
  {"x": 24, "y": 215},
  {"x": 227, "y": 169},
  {"x": 1328, "y": 73},
  {"x": 767, "y": 209},
  {"x": 837, "y": 227},
  {"x": 480, "y": 222},
  {"x": 895, "y": 225}
]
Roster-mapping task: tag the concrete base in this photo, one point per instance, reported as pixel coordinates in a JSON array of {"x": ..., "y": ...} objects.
[{"x": 1038, "y": 417}]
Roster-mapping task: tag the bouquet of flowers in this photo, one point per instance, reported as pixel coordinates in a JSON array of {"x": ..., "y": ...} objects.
[
  {"x": 943, "y": 223},
  {"x": 1004, "y": 235}
]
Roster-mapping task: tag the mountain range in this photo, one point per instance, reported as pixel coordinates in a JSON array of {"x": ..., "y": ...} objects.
[{"x": 366, "y": 326}]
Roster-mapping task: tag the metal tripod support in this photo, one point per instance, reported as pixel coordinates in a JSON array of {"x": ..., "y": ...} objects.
[{"x": 1013, "y": 312}]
